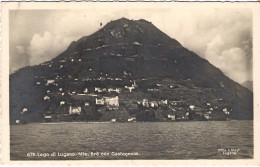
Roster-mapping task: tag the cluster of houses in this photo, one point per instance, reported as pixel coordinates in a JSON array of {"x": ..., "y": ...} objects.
[
  {"x": 74, "y": 110},
  {"x": 109, "y": 101},
  {"x": 130, "y": 119},
  {"x": 132, "y": 87},
  {"x": 152, "y": 104},
  {"x": 225, "y": 111},
  {"x": 110, "y": 90},
  {"x": 99, "y": 100},
  {"x": 105, "y": 97},
  {"x": 113, "y": 102},
  {"x": 188, "y": 112},
  {"x": 97, "y": 93}
]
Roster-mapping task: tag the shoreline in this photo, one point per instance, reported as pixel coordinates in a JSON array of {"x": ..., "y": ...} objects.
[
  {"x": 105, "y": 122},
  {"x": 49, "y": 123}
]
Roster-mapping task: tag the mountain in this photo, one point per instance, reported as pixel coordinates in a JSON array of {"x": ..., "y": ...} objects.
[
  {"x": 128, "y": 69},
  {"x": 248, "y": 85}
]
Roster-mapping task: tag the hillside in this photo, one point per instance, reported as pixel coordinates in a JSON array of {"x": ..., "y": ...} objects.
[
  {"x": 126, "y": 70},
  {"x": 248, "y": 85}
]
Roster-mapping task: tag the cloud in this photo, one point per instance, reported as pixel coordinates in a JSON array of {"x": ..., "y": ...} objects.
[
  {"x": 47, "y": 46},
  {"x": 20, "y": 49},
  {"x": 231, "y": 61},
  {"x": 224, "y": 37},
  {"x": 68, "y": 28},
  {"x": 230, "y": 46},
  {"x": 21, "y": 58}
]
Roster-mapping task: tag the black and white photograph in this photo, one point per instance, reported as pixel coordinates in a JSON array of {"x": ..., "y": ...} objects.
[{"x": 118, "y": 81}]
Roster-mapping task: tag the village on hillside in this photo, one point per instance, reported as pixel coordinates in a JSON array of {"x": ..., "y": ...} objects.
[{"x": 117, "y": 99}]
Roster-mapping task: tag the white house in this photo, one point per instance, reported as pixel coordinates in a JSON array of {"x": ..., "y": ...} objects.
[
  {"x": 47, "y": 116},
  {"x": 117, "y": 90},
  {"x": 86, "y": 90},
  {"x": 171, "y": 117},
  {"x": 137, "y": 43},
  {"x": 125, "y": 73},
  {"x": 100, "y": 101},
  {"x": 113, "y": 120},
  {"x": 112, "y": 101},
  {"x": 25, "y": 109},
  {"x": 164, "y": 102},
  {"x": 110, "y": 89},
  {"x": 97, "y": 89},
  {"x": 46, "y": 98},
  {"x": 175, "y": 103},
  {"x": 145, "y": 103},
  {"x": 49, "y": 82},
  {"x": 109, "y": 78},
  {"x": 192, "y": 107},
  {"x": 100, "y": 89},
  {"x": 153, "y": 104},
  {"x": 225, "y": 110},
  {"x": 62, "y": 103},
  {"x": 206, "y": 116},
  {"x": 132, "y": 119},
  {"x": 74, "y": 110}
]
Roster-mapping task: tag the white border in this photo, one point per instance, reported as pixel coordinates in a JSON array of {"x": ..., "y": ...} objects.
[{"x": 6, "y": 6}]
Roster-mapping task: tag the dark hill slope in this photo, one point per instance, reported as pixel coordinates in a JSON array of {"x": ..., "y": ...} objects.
[
  {"x": 248, "y": 85},
  {"x": 137, "y": 48}
]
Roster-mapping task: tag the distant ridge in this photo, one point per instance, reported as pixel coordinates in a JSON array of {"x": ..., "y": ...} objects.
[{"x": 248, "y": 85}]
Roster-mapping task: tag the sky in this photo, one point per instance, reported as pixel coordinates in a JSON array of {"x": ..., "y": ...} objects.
[{"x": 220, "y": 35}]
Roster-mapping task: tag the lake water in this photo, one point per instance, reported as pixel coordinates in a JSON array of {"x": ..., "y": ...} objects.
[{"x": 147, "y": 140}]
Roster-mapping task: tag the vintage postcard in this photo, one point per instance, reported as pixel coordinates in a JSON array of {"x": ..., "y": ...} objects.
[{"x": 120, "y": 83}]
